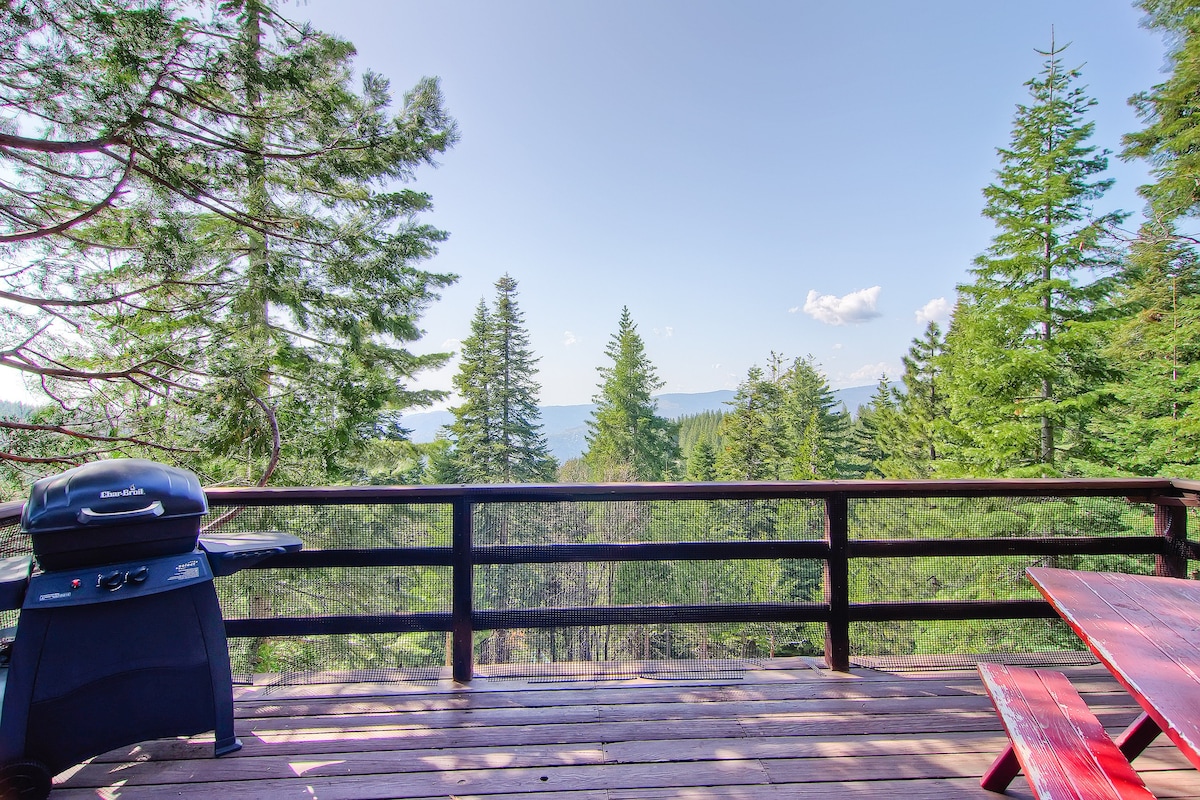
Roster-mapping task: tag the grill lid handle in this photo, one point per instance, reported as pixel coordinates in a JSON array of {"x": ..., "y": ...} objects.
[{"x": 87, "y": 515}]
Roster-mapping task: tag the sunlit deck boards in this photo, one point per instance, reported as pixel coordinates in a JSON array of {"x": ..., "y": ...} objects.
[{"x": 789, "y": 730}]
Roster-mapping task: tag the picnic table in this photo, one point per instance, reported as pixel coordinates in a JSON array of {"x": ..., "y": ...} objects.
[{"x": 1146, "y": 631}]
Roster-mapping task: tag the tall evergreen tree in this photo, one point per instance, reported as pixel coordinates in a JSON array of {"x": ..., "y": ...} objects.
[
  {"x": 785, "y": 425},
  {"x": 1152, "y": 426},
  {"x": 497, "y": 429},
  {"x": 240, "y": 292},
  {"x": 868, "y": 433},
  {"x": 701, "y": 463},
  {"x": 626, "y": 436},
  {"x": 818, "y": 426},
  {"x": 1169, "y": 111},
  {"x": 910, "y": 438},
  {"x": 473, "y": 433},
  {"x": 753, "y": 432},
  {"x": 1021, "y": 364},
  {"x": 1155, "y": 337}
]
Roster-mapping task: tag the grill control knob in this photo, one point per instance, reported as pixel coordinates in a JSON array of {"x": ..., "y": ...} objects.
[
  {"x": 112, "y": 581},
  {"x": 138, "y": 576}
]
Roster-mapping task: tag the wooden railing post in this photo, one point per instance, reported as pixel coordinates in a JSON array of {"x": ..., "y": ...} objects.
[
  {"x": 837, "y": 583},
  {"x": 462, "y": 644},
  {"x": 1170, "y": 522}
]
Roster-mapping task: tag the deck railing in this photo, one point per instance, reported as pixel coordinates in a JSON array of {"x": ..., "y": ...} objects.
[{"x": 828, "y": 523}]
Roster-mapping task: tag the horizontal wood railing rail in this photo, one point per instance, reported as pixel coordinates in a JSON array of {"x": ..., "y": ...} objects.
[{"x": 837, "y": 549}]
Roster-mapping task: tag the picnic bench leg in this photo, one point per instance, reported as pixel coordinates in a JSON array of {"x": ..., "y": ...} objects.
[
  {"x": 1138, "y": 736},
  {"x": 1002, "y": 771}
]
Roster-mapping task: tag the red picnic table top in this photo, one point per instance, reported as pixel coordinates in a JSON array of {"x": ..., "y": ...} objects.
[{"x": 1146, "y": 631}]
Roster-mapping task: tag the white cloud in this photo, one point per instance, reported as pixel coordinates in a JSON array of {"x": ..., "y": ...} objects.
[
  {"x": 838, "y": 346},
  {"x": 936, "y": 310},
  {"x": 852, "y": 308},
  {"x": 865, "y": 375},
  {"x": 666, "y": 332},
  {"x": 871, "y": 372},
  {"x": 569, "y": 339},
  {"x": 793, "y": 309}
]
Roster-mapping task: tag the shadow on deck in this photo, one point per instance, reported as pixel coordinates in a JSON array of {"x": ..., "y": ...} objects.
[{"x": 790, "y": 728}]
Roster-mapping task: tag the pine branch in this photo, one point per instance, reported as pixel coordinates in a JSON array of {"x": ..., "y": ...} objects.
[
  {"x": 92, "y": 437},
  {"x": 60, "y": 146},
  {"x": 107, "y": 202}
]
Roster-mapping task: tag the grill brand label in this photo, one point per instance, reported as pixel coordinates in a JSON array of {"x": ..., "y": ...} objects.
[
  {"x": 132, "y": 491},
  {"x": 186, "y": 571}
]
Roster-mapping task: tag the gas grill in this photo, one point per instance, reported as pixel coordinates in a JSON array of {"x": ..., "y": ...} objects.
[{"x": 120, "y": 637}]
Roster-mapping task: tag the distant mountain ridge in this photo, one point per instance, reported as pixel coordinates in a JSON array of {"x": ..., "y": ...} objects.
[{"x": 565, "y": 427}]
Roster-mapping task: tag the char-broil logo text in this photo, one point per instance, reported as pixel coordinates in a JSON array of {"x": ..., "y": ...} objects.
[{"x": 132, "y": 491}]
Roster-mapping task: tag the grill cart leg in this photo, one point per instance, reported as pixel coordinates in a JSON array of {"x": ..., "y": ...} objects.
[{"x": 212, "y": 628}]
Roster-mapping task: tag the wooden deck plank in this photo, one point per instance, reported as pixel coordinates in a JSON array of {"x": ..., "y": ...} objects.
[{"x": 774, "y": 733}]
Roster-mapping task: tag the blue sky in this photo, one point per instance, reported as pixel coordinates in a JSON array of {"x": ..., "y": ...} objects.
[{"x": 802, "y": 177}]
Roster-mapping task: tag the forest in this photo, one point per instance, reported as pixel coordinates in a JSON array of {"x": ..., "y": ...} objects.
[
  {"x": 212, "y": 255},
  {"x": 199, "y": 271}
]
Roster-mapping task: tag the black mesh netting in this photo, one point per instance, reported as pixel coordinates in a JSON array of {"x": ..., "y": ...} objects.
[
  {"x": 931, "y": 577},
  {"x": 627, "y": 647}
]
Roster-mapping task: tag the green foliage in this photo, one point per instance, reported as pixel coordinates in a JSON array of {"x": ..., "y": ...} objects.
[
  {"x": 699, "y": 442},
  {"x": 785, "y": 425},
  {"x": 702, "y": 463},
  {"x": 753, "y": 432},
  {"x": 867, "y": 436},
  {"x": 1021, "y": 366},
  {"x": 1153, "y": 336},
  {"x": 910, "y": 426},
  {"x": 1169, "y": 111},
  {"x": 388, "y": 462},
  {"x": 496, "y": 434},
  {"x": 1150, "y": 425},
  {"x": 220, "y": 252},
  {"x": 626, "y": 438},
  {"x": 702, "y": 427}
]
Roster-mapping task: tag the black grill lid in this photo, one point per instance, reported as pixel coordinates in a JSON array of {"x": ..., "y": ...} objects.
[{"x": 119, "y": 491}]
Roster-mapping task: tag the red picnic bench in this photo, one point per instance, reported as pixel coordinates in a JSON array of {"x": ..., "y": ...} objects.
[
  {"x": 1145, "y": 630},
  {"x": 1057, "y": 741}
]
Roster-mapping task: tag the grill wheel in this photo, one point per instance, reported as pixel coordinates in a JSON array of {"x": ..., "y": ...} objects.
[{"x": 24, "y": 780}]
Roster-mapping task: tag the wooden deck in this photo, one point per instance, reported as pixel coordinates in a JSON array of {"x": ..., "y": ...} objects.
[{"x": 791, "y": 729}]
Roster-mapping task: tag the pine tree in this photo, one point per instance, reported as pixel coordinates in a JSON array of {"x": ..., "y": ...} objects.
[
  {"x": 785, "y": 425},
  {"x": 626, "y": 437},
  {"x": 753, "y": 433},
  {"x": 1169, "y": 111},
  {"x": 239, "y": 292},
  {"x": 1152, "y": 426},
  {"x": 473, "y": 432},
  {"x": 1020, "y": 363},
  {"x": 1154, "y": 340},
  {"x": 910, "y": 436},
  {"x": 818, "y": 427},
  {"x": 497, "y": 430},
  {"x": 868, "y": 433},
  {"x": 702, "y": 463}
]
